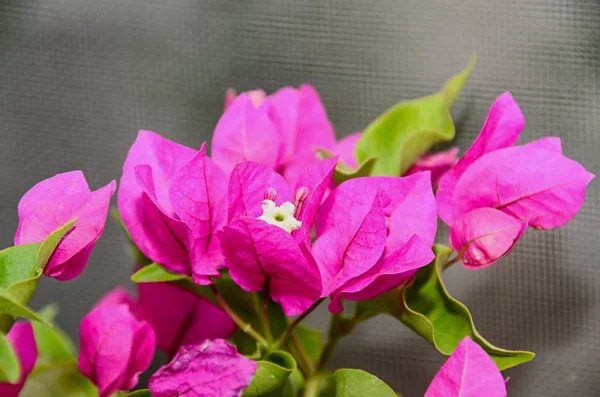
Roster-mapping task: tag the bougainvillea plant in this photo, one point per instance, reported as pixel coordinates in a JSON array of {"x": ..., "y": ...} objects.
[{"x": 234, "y": 250}]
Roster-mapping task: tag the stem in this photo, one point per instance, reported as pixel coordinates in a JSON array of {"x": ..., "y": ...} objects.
[
  {"x": 244, "y": 326},
  {"x": 311, "y": 387},
  {"x": 452, "y": 261},
  {"x": 306, "y": 365},
  {"x": 338, "y": 328},
  {"x": 294, "y": 323},
  {"x": 265, "y": 312}
]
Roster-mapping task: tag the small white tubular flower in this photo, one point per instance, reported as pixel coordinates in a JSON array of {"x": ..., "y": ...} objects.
[{"x": 282, "y": 216}]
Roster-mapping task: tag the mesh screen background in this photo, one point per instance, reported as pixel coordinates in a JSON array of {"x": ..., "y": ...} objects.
[{"x": 78, "y": 78}]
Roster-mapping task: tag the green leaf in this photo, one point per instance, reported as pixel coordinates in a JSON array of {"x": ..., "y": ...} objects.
[
  {"x": 310, "y": 339},
  {"x": 55, "y": 373},
  {"x": 139, "y": 393},
  {"x": 407, "y": 130},
  {"x": 53, "y": 344},
  {"x": 21, "y": 269},
  {"x": 344, "y": 172},
  {"x": 10, "y": 366},
  {"x": 358, "y": 383},
  {"x": 59, "y": 380},
  {"x": 50, "y": 243},
  {"x": 271, "y": 376},
  {"x": 10, "y": 306},
  {"x": 155, "y": 273},
  {"x": 455, "y": 84},
  {"x": 426, "y": 307},
  {"x": 17, "y": 264}
]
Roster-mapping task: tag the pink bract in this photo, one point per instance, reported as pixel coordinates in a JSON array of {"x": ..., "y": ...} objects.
[
  {"x": 115, "y": 348},
  {"x": 260, "y": 255},
  {"x": 373, "y": 234},
  {"x": 180, "y": 318},
  {"x": 172, "y": 200},
  {"x": 301, "y": 126},
  {"x": 53, "y": 203},
  {"x": 438, "y": 163},
  {"x": 210, "y": 369},
  {"x": 22, "y": 338},
  {"x": 533, "y": 184},
  {"x": 469, "y": 372}
]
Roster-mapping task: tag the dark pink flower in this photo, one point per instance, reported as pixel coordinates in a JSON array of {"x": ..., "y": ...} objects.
[
  {"x": 53, "y": 203},
  {"x": 115, "y": 348},
  {"x": 180, "y": 318},
  {"x": 469, "y": 372},
  {"x": 210, "y": 369},
  {"x": 22, "y": 338},
  {"x": 300, "y": 122},
  {"x": 173, "y": 200},
  {"x": 266, "y": 243},
  {"x": 373, "y": 234},
  {"x": 534, "y": 184}
]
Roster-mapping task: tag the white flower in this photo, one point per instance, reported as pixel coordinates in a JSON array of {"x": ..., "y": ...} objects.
[{"x": 282, "y": 216}]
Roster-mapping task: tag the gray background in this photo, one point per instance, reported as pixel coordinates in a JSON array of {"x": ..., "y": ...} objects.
[{"x": 78, "y": 78}]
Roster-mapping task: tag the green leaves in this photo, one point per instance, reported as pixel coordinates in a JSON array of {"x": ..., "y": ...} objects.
[
  {"x": 10, "y": 367},
  {"x": 56, "y": 373},
  {"x": 20, "y": 270},
  {"x": 357, "y": 383},
  {"x": 407, "y": 130},
  {"x": 271, "y": 376},
  {"x": 58, "y": 381},
  {"x": 17, "y": 264},
  {"x": 426, "y": 307},
  {"x": 344, "y": 172},
  {"x": 154, "y": 273}
]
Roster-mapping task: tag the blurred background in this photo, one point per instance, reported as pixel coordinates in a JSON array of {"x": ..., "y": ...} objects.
[{"x": 79, "y": 78}]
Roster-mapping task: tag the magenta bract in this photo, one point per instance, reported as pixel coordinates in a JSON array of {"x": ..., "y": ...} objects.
[
  {"x": 172, "y": 200},
  {"x": 534, "y": 184},
  {"x": 210, "y": 369},
  {"x": 115, "y": 348},
  {"x": 469, "y": 372},
  {"x": 22, "y": 338},
  {"x": 180, "y": 318},
  {"x": 300, "y": 124},
  {"x": 262, "y": 256},
  {"x": 53, "y": 203},
  {"x": 373, "y": 233}
]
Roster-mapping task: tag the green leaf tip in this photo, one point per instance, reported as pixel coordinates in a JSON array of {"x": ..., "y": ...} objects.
[{"x": 410, "y": 128}]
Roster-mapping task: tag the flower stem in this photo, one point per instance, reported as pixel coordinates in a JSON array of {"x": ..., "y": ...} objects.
[
  {"x": 265, "y": 312},
  {"x": 244, "y": 326},
  {"x": 305, "y": 363},
  {"x": 452, "y": 261},
  {"x": 339, "y": 327},
  {"x": 311, "y": 387},
  {"x": 294, "y": 323}
]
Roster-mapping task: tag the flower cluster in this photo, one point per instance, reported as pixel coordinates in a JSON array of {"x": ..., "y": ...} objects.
[{"x": 265, "y": 211}]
